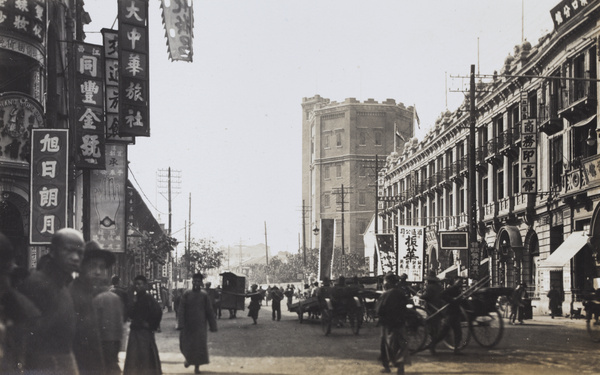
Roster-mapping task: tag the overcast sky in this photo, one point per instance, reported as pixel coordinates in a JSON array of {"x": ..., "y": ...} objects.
[{"x": 231, "y": 120}]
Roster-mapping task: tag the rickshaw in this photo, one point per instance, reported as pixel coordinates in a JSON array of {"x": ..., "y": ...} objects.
[{"x": 340, "y": 304}]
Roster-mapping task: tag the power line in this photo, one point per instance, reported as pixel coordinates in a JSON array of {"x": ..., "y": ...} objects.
[{"x": 142, "y": 191}]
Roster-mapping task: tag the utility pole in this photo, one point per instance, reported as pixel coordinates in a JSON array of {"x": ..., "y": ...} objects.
[
  {"x": 342, "y": 201},
  {"x": 169, "y": 183},
  {"x": 304, "y": 211},
  {"x": 189, "y": 231},
  {"x": 472, "y": 196},
  {"x": 266, "y": 246}
]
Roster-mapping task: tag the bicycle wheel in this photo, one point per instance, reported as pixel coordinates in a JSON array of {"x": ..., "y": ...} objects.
[
  {"x": 464, "y": 328},
  {"x": 593, "y": 327},
  {"x": 326, "y": 321},
  {"x": 487, "y": 329},
  {"x": 415, "y": 330}
]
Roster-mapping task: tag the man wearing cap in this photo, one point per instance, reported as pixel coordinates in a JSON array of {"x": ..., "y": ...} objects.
[
  {"x": 195, "y": 313},
  {"x": 433, "y": 296},
  {"x": 255, "y": 299},
  {"x": 93, "y": 277},
  {"x": 50, "y": 348},
  {"x": 17, "y": 315}
]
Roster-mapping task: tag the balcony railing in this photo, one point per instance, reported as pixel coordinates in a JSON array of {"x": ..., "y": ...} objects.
[
  {"x": 490, "y": 210},
  {"x": 548, "y": 119},
  {"x": 505, "y": 205},
  {"x": 522, "y": 201}
]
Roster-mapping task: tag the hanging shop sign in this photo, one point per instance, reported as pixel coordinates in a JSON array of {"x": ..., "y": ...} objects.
[
  {"x": 529, "y": 156},
  {"x": 454, "y": 240},
  {"x": 386, "y": 253},
  {"x": 111, "y": 81},
  {"x": 566, "y": 10},
  {"x": 24, "y": 17},
  {"x": 133, "y": 52},
  {"x": 107, "y": 200},
  {"x": 178, "y": 20},
  {"x": 19, "y": 115},
  {"x": 411, "y": 252},
  {"x": 89, "y": 142},
  {"x": 49, "y": 173}
]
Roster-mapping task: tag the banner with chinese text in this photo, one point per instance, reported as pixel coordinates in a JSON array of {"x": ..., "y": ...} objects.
[
  {"x": 386, "y": 253},
  {"x": 133, "y": 53},
  {"x": 49, "y": 183},
  {"x": 411, "y": 252},
  {"x": 107, "y": 200},
  {"x": 89, "y": 140},
  {"x": 529, "y": 155},
  {"x": 178, "y": 20},
  {"x": 326, "y": 248},
  {"x": 111, "y": 80},
  {"x": 24, "y": 17}
]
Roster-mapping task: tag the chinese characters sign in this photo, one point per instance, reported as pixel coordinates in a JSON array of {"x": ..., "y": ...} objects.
[
  {"x": 19, "y": 113},
  {"x": 566, "y": 10},
  {"x": 89, "y": 106},
  {"x": 386, "y": 250},
  {"x": 108, "y": 195},
  {"x": 529, "y": 156},
  {"x": 133, "y": 68},
  {"x": 411, "y": 252},
  {"x": 25, "y": 17},
  {"x": 49, "y": 172},
  {"x": 178, "y": 19},
  {"x": 111, "y": 81}
]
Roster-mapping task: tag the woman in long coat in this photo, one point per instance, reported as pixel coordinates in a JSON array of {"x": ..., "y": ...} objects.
[
  {"x": 254, "y": 306},
  {"x": 195, "y": 312}
]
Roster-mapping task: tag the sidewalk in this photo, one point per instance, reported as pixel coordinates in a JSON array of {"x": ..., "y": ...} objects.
[{"x": 547, "y": 319}]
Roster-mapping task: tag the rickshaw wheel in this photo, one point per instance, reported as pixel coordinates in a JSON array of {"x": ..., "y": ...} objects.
[
  {"x": 593, "y": 327},
  {"x": 415, "y": 330},
  {"x": 326, "y": 321},
  {"x": 487, "y": 329},
  {"x": 466, "y": 333}
]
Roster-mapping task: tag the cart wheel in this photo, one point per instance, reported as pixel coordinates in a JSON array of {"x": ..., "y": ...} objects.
[
  {"x": 326, "y": 321},
  {"x": 487, "y": 329},
  {"x": 464, "y": 326},
  {"x": 593, "y": 326},
  {"x": 415, "y": 330},
  {"x": 355, "y": 320}
]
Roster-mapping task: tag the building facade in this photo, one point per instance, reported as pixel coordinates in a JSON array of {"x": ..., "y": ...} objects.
[
  {"x": 537, "y": 163},
  {"x": 340, "y": 144}
]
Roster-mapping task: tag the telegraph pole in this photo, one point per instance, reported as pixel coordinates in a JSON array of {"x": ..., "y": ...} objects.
[
  {"x": 342, "y": 201},
  {"x": 304, "y": 207},
  {"x": 473, "y": 246},
  {"x": 169, "y": 183}
]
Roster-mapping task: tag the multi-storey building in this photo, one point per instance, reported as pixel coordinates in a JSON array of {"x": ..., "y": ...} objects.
[
  {"x": 537, "y": 167},
  {"x": 340, "y": 142}
]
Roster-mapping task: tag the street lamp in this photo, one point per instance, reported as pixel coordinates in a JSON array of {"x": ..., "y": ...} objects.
[
  {"x": 591, "y": 139},
  {"x": 316, "y": 230}
]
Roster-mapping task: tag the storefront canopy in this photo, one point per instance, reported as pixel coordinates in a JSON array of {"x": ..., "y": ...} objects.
[{"x": 567, "y": 250}]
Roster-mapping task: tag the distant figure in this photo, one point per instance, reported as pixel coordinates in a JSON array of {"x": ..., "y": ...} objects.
[
  {"x": 516, "y": 312},
  {"x": 50, "y": 349},
  {"x": 289, "y": 294},
  {"x": 121, "y": 292},
  {"x": 195, "y": 313},
  {"x": 145, "y": 314},
  {"x": 555, "y": 300},
  {"x": 276, "y": 296},
  {"x": 18, "y": 315},
  {"x": 255, "y": 299},
  {"x": 213, "y": 296}
]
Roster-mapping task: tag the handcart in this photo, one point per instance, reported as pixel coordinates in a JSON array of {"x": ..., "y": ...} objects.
[
  {"x": 309, "y": 305},
  {"x": 341, "y": 305}
]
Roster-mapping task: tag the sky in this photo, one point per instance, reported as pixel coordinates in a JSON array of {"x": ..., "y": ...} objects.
[{"x": 230, "y": 121}]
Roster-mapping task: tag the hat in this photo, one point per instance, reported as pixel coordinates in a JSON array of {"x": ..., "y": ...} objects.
[
  {"x": 431, "y": 276},
  {"x": 403, "y": 276},
  {"x": 93, "y": 250}
]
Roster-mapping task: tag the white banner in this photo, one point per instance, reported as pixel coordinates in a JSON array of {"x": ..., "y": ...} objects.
[{"x": 411, "y": 252}]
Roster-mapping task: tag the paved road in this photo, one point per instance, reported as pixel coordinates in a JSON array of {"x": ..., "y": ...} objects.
[{"x": 542, "y": 345}]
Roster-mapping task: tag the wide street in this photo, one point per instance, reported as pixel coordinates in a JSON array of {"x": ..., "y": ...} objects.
[{"x": 541, "y": 345}]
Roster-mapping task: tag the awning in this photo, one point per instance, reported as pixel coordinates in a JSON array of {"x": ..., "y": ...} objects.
[
  {"x": 567, "y": 250},
  {"x": 450, "y": 271},
  {"x": 584, "y": 122}
]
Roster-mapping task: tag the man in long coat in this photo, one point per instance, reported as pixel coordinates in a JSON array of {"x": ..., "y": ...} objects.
[{"x": 195, "y": 313}]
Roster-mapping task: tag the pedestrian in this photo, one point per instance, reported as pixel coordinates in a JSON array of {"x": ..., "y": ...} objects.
[
  {"x": 195, "y": 314},
  {"x": 289, "y": 294},
  {"x": 93, "y": 275},
  {"x": 554, "y": 301},
  {"x": 166, "y": 298},
  {"x": 391, "y": 309},
  {"x": 17, "y": 315},
  {"x": 268, "y": 298},
  {"x": 432, "y": 295},
  {"x": 213, "y": 296},
  {"x": 50, "y": 347},
  {"x": 217, "y": 306},
  {"x": 145, "y": 314},
  {"x": 453, "y": 313},
  {"x": 108, "y": 307},
  {"x": 276, "y": 297},
  {"x": 517, "y": 305},
  {"x": 255, "y": 299}
]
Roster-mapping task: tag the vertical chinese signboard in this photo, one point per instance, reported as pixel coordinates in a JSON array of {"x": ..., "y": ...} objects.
[
  {"x": 133, "y": 68},
  {"x": 49, "y": 172},
  {"x": 108, "y": 197},
  {"x": 411, "y": 252},
  {"x": 111, "y": 80},
  {"x": 178, "y": 19},
  {"x": 89, "y": 106},
  {"x": 528, "y": 155}
]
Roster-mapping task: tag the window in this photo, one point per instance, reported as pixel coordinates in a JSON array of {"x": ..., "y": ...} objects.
[
  {"x": 450, "y": 204},
  {"x": 362, "y": 198},
  {"x": 326, "y": 141},
  {"x": 485, "y": 199},
  {"x": 462, "y": 203},
  {"x": 532, "y": 108},
  {"x": 378, "y": 141},
  {"x": 326, "y": 172},
  {"x": 362, "y": 139},
  {"x": 500, "y": 183},
  {"x": 362, "y": 171},
  {"x": 556, "y": 167},
  {"x": 338, "y": 139},
  {"x": 338, "y": 171},
  {"x": 516, "y": 178},
  {"x": 326, "y": 200}
]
